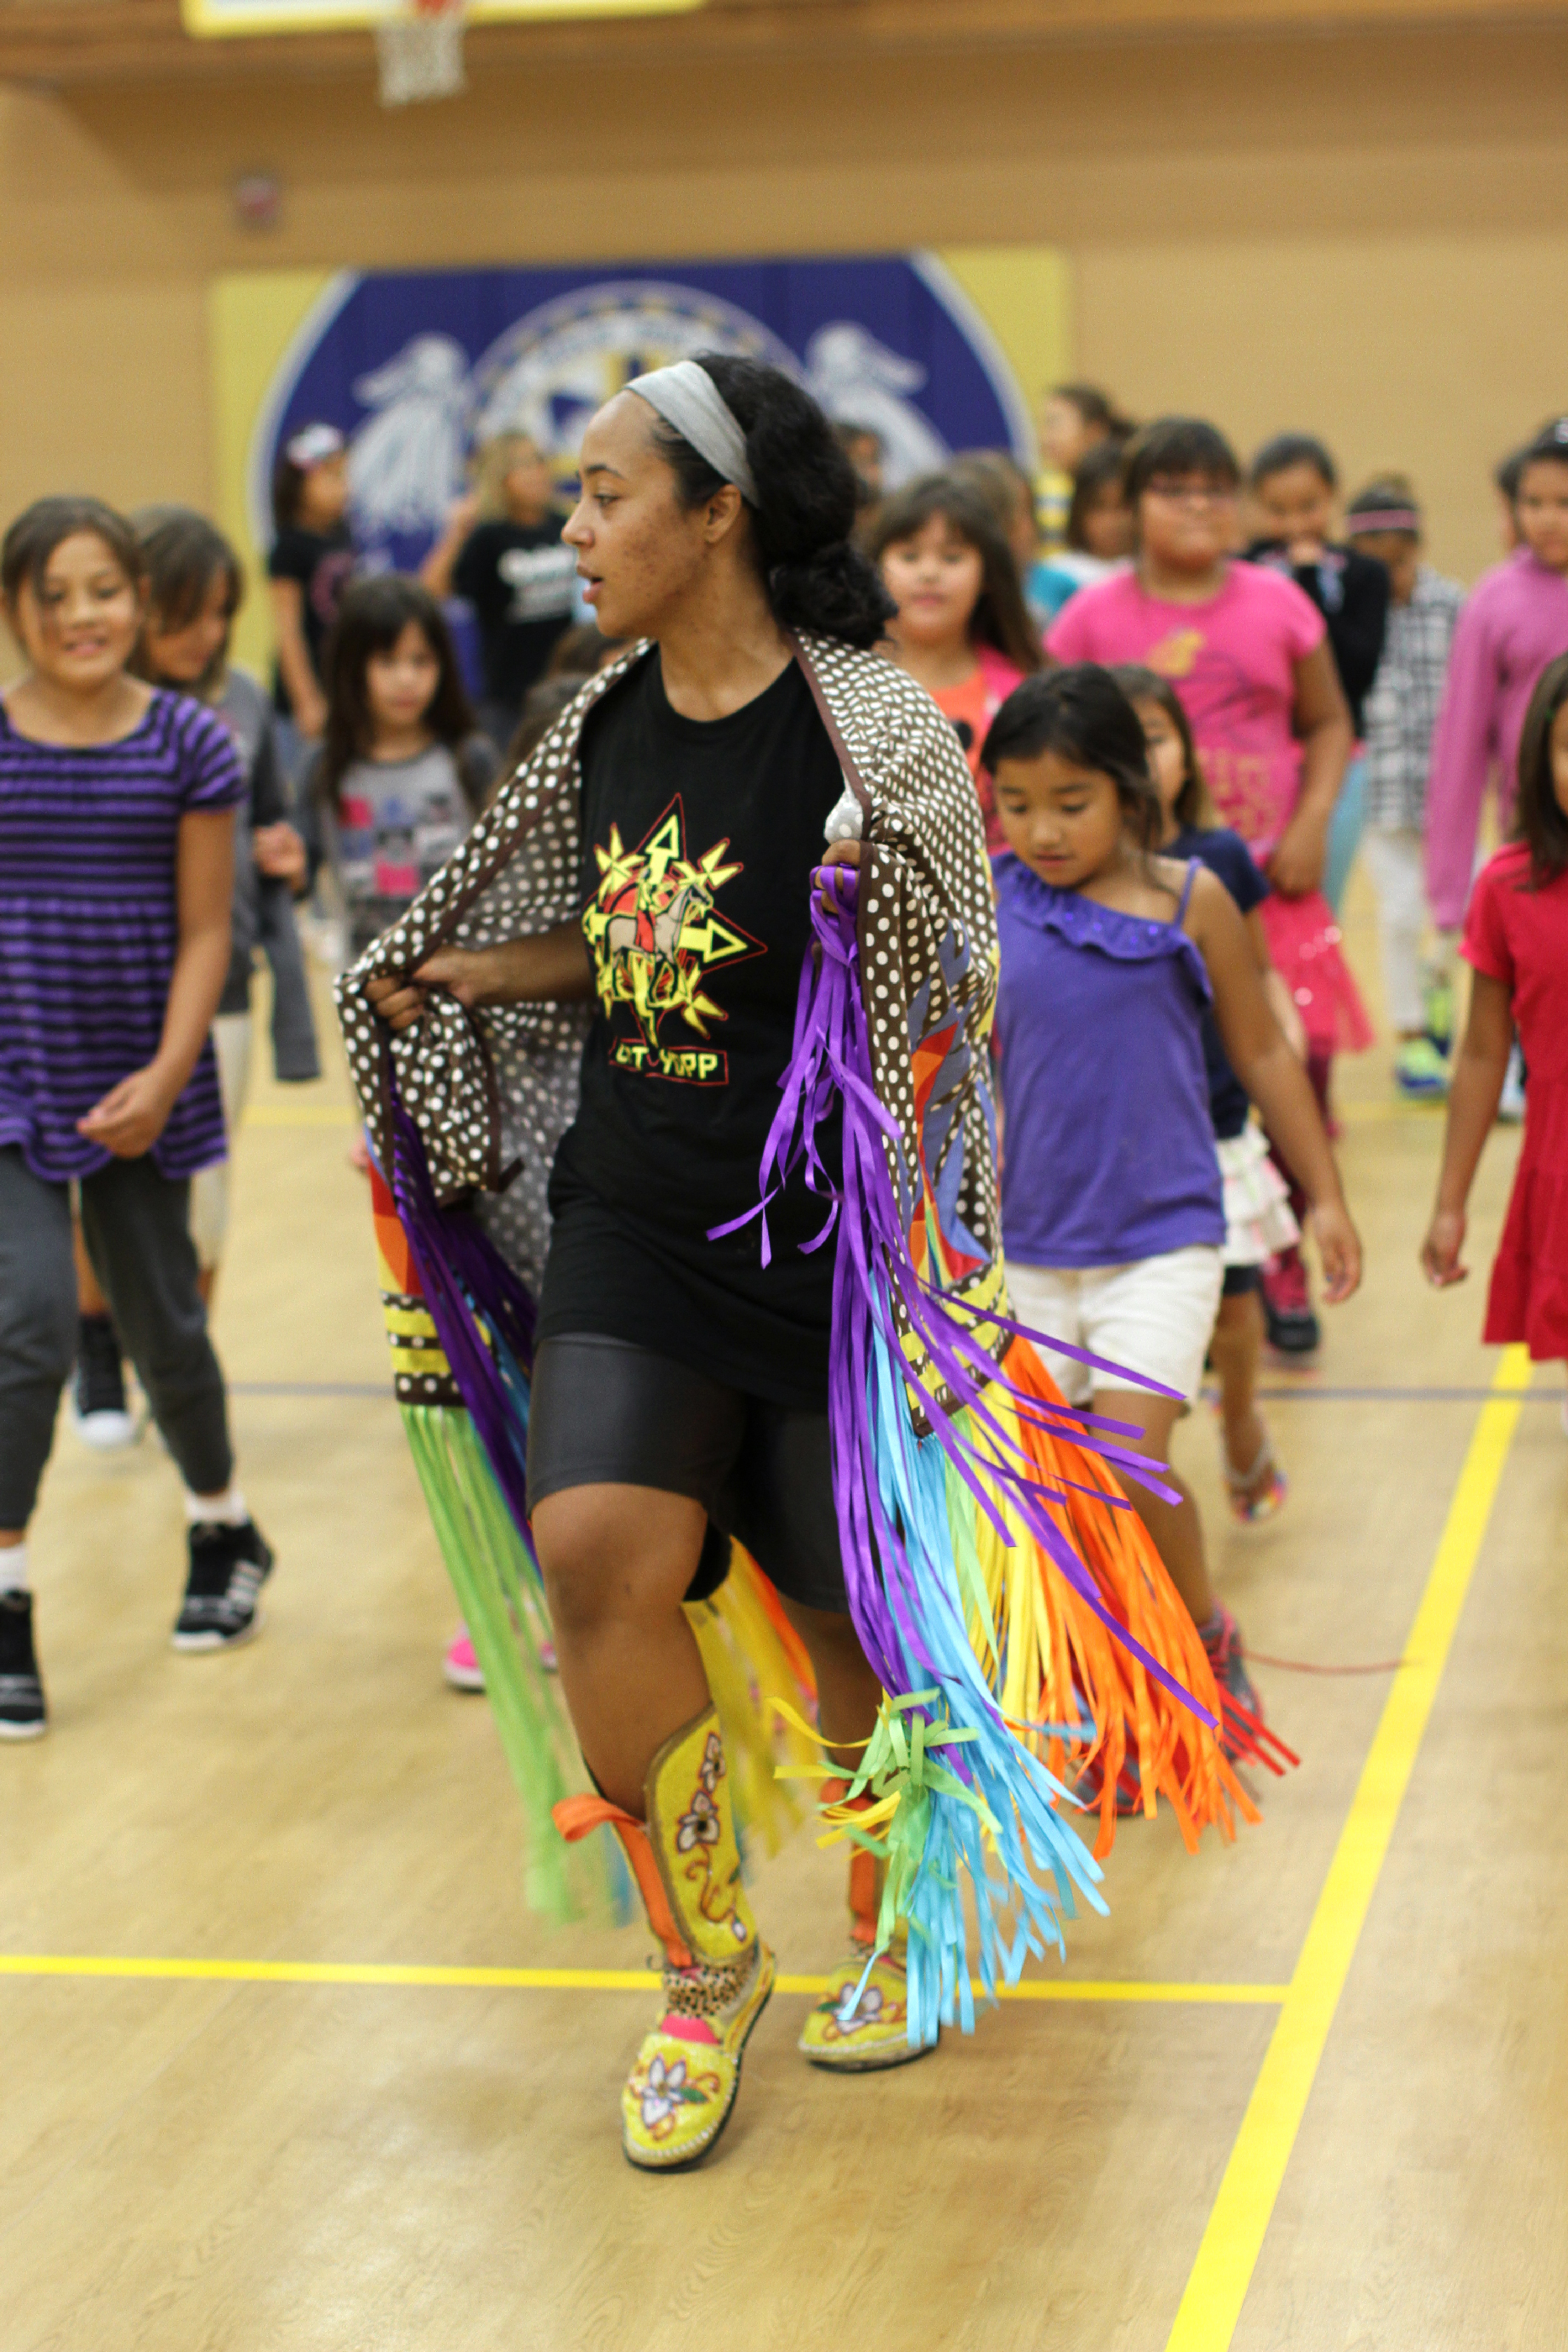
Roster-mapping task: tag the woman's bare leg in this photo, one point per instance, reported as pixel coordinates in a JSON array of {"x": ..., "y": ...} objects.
[
  {"x": 847, "y": 1691},
  {"x": 617, "y": 1562},
  {"x": 1176, "y": 1528}
]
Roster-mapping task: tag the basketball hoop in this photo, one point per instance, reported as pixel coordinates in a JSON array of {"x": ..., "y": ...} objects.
[{"x": 419, "y": 51}]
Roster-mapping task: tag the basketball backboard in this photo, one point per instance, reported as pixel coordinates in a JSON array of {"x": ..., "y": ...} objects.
[{"x": 212, "y": 20}]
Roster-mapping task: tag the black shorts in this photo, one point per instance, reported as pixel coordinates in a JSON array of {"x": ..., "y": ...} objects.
[
  {"x": 1240, "y": 1280},
  {"x": 603, "y": 1411}
]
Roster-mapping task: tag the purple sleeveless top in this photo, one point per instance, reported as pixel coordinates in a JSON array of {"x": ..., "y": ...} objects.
[
  {"x": 1107, "y": 1152},
  {"x": 89, "y": 929}
]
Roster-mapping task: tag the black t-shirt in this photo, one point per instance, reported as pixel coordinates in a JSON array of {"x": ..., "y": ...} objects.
[
  {"x": 519, "y": 579},
  {"x": 1226, "y": 855},
  {"x": 699, "y": 842},
  {"x": 321, "y": 563},
  {"x": 1351, "y": 591}
]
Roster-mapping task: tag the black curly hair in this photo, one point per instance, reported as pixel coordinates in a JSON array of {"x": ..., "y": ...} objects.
[{"x": 807, "y": 498}]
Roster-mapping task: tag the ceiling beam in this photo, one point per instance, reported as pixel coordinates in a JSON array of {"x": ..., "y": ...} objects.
[{"x": 80, "y": 42}]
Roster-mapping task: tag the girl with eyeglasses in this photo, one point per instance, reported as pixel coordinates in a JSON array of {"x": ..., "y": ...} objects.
[{"x": 1248, "y": 654}]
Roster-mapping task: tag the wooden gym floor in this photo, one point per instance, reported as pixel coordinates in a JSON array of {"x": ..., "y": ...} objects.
[{"x": 270, "y": 2088}]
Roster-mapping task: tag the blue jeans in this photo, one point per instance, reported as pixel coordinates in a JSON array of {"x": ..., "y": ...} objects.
[{"x": 1345, "y": 831}]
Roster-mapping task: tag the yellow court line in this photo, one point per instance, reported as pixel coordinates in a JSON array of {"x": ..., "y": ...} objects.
[
  {"x": 1372, "y": 1112},
  {"x": 1211, "y": 2307},
  {"x": 299, "y": 1114},
  {"x": 371, "y": 1972}
]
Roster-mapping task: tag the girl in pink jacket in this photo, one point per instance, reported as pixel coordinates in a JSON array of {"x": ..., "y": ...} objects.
[{"x": 1515, "y": 622}]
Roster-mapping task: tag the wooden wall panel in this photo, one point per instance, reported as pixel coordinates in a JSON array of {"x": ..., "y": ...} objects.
[
  {"x": 1366, "y": 233},
  {"x": 82, "y": 41}
]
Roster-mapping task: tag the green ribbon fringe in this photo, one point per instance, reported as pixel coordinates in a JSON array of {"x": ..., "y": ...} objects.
[{"x": 498, "y": 1592}]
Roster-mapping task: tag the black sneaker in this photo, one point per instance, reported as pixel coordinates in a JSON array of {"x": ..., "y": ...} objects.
[
  {"x": 103, "y": 1419},
  {"x": 23, "y": 1715},
  {"x": 228, "y": 1567},
  {"x": 1293, "y": 1327}
]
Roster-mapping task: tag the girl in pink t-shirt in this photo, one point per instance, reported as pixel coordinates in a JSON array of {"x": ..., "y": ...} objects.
[
  {"x": 1247, "y": 653},
  {"x": 961, "y": 628}
]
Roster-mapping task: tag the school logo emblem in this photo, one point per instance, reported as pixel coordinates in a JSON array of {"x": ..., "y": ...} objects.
[
  {"x": 420, "y": 368},
  {"x": 655, "y": 934}
]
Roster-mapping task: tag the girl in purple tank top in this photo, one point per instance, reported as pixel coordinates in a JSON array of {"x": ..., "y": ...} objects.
[{"x": 1112, "y": 1213}]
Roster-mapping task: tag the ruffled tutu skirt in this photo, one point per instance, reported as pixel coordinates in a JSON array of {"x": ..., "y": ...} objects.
[
  {"x": 1304, "y": 941},
  {"x": 1258, "y": 1219}
]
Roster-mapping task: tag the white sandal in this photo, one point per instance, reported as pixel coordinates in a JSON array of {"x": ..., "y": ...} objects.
[{"x": 1249, "y": 1501}]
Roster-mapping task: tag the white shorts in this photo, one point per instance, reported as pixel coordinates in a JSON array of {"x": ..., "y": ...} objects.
[{"x": 1154, "y": 1317}]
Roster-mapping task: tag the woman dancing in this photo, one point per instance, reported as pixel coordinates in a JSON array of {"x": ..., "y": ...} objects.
[{"x": 857, "y": 1416}]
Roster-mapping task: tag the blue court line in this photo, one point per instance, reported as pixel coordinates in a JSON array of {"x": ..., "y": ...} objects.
[
  {"x": 1399, "y": 1396},
  {"x": 311, "y": 1388}
]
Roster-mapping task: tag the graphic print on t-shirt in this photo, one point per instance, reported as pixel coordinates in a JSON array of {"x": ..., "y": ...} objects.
[
  {"x": 540, "y": 580},
  {"x": 655, "y": 935},
  {"x": 1241, "y": 783}
]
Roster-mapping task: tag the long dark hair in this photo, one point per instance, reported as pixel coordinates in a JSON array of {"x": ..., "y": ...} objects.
[
  {"x": 372, "y": 617},
  {"x": 1095, "y": 471},
  {"x": 1082, "y": 713},
  {"x": 808, "y": 497},
  {"x": 1539, "y": 820},
  {"x": 1000, "y": 618},
  {"x": 1191, "y": 805},
  {"x": 183, "y": 554},
  {"x": 46, "y": 524}
]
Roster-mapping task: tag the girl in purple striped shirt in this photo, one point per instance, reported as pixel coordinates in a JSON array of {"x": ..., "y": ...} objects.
[{"x": 117, "y": 806}]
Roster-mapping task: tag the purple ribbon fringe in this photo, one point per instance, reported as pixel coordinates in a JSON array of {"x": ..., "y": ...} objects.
[
  {"x": 831, "y": 1061},
  {"x": 466, "y": 1281}
]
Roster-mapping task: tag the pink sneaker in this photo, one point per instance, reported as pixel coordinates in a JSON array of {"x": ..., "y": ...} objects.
[{"x": 460, "y": 1666}]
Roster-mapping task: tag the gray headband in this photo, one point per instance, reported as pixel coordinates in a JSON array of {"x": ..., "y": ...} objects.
[{"x": 686, "y": 396}]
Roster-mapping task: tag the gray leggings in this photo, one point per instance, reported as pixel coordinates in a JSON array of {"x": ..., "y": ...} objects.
[{"x": 134, "y": 1223}]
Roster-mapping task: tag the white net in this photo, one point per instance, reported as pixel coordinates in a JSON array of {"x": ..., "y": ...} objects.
[{"x": 419, "y": 53}]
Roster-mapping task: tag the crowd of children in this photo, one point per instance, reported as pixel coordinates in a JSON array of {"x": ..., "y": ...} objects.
[{"x": 1188, "y": 691}]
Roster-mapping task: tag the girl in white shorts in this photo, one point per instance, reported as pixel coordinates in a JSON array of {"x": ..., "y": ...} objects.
[{"x": 1113, "y": 1211}]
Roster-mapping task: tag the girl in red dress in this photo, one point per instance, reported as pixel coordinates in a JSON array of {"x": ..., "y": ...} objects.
[{"x": 1516, "y": 937}]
